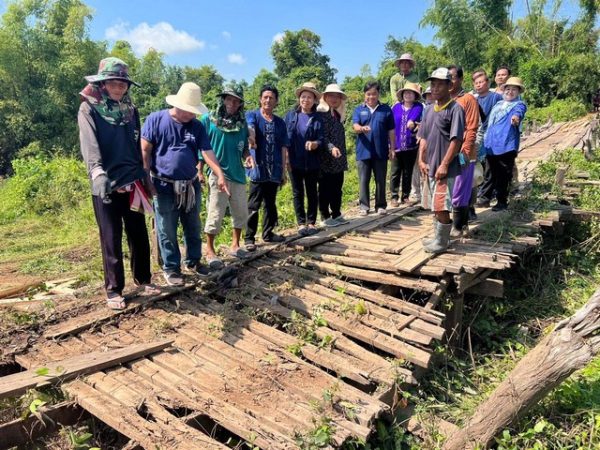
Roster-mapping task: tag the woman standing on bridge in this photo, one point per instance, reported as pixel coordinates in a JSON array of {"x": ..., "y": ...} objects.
[
  {"x": 109, "y": 135},
  {"x": 502, "y": 138}
]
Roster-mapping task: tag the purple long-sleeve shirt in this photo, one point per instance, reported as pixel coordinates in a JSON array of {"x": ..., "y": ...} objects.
[{"x": 406, "y": 139}]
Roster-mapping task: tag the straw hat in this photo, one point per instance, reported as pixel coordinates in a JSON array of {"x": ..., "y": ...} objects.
[
  {"x": 188, "y": 98},
  {"x": 334, "y": 89},
  {"x": 408, "y": 86},
  {"x": 478, "y": 174},
  {"x": 405, "y": 57},
  {"x": 310, "y": 87},
  {"x": 323, "y": 106},
  {"x": 515, "y": 81}
]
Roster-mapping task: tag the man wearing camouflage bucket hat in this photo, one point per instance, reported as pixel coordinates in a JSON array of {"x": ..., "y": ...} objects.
[
  {"x": 109, "y": 130},
  {"x": 228, "y": 134}
]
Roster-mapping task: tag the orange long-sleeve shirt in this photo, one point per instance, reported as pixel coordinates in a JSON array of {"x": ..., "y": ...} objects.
[{"x": 471, "y": 108}]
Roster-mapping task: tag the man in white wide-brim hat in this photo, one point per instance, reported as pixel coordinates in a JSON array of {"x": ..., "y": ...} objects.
[
  {"x": 171, "y": 142},
  {"x": 405, "y": 65}
]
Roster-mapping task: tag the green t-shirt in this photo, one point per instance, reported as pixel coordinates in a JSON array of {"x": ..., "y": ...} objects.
[
  {"x": 229, "y": 146},
  {"x": 398, "y": 81}
]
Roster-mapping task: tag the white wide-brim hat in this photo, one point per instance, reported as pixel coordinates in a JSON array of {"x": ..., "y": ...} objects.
[
  {"x": 310, "y": 87},
  {"x": 334, "y": 89},
  {"x": 188, "y": 98}
]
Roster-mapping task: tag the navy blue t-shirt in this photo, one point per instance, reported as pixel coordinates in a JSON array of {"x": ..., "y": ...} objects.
[
  {"x": 375, "y": 143},
  {"x": 176, "y": 146}
]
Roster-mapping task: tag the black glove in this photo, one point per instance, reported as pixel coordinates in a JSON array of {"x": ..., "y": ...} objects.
[{"x": 101, "y": 186}]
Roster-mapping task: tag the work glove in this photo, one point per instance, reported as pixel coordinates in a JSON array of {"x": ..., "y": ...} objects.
[{"x": 101, "y": 187}]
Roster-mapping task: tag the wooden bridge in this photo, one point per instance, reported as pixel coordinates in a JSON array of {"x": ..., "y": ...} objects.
[{"x": 326, "y": 330}]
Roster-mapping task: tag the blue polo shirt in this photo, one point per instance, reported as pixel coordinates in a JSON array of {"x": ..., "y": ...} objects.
[{"x": 375, "y": 143}]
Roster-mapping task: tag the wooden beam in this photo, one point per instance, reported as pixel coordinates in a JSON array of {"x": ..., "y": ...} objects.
[
  {"x": 73, "y": 367},
  {"x": 488, "y": 288}
]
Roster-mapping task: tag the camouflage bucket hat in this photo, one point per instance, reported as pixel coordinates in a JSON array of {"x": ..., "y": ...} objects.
[
  {"x": 111, "y": 69},
  {"x": 234, "y": 91}
]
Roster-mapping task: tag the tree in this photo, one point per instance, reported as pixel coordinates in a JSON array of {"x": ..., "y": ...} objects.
[
  {"x": 44, "y": 53},
  {"x": 301, "y": 49}
]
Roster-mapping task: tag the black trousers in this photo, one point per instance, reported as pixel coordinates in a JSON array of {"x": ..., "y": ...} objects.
[
  {"x": 502, "y": 167},
  {"x": 110, "y": 218},
  {"x": 377, "y": 167},
  {"x": 330, "y": 194},
  {"x": 402, "y": 168},
  {"x": 264, "y": 192},
  {"x": 486, "y": 188},
  {"x": 305, "y": 180}
]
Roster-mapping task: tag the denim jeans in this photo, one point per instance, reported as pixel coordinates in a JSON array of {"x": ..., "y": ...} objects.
[{"x": 168, "y": 216}]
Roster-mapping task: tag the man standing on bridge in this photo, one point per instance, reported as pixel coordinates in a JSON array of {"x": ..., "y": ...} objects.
[{"x": 441, "y": 134}]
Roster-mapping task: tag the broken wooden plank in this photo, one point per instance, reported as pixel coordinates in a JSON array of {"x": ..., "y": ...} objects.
[{"x": 72, "y": 367}]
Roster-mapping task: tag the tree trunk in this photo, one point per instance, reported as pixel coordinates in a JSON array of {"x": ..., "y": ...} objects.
[{"x": 571, "y": 346}]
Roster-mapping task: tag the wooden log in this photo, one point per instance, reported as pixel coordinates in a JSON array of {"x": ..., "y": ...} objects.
[
  {"x": 9, "y": 292},
  {"x": 72, "y": 367},
  {"x": 570, "y": 346},
  {"x": 353, "y": 262},
  {"x": 21, "y": 432}
]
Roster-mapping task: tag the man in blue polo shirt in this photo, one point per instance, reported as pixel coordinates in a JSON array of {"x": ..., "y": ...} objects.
[
  {"x": 172, "y": 140},
  {"x": 373, "y": 123}
]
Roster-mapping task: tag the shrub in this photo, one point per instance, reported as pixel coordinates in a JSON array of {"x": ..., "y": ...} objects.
[
  {"x": 558, "y": 110},
  {"x": 42, "y": 186}
]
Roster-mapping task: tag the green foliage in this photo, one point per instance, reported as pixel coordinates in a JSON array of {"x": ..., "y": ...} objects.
[
  {"x": 43, "y": 186},
  {"x": 298, "y": 49},
  {"x": 558, "y": 110}
]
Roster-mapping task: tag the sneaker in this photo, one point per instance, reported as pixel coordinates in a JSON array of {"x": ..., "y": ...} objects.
[
  {"x": 381, "y": 211},
  {"x": 274, "y": 238},
  {"x": 482, "y": 203},
  {"x": 500, "y": 207},
  {"x": 341, "y": 220},
  {"x": 394, "y": 203},
  {"x": 363, "y": 212},
  {"x": 330, "y": 222},
  {"x": 173, "y": 278},
  {"x": 414, "y": 198}
]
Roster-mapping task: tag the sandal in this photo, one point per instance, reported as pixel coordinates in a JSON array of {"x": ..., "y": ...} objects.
[
  {"x": 240, "y": 253},
  {"x": 116, "y": 302}
]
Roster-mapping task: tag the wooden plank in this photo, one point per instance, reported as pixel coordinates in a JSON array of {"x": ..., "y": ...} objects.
[
  {"x": 148, "y": 376},
  {"x": 92, "y": 319},
  {"x": 412, "y": 257},
  {"x": 174, "y": 431},
  {"x": 352, "y": 262},
  {"x": 333, "y": 233},
  {"x": 127, "y": 421},
  {"x": 72, "y": 367},
  {"x": 379, "y": 298},
  {"x": 375, "y": 277},
  {"x": 21, "y": 432}
]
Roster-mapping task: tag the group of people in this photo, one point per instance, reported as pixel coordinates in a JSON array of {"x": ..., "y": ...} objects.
[{"x": 159, "y": 168}]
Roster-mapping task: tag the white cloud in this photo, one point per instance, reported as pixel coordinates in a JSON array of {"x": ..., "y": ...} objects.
[
  {"x": 278, "y": 37},
  {"x": 226, "y": 35},
  {"x": 236, "y": 58},
  {"x": 161, "y": 37}
]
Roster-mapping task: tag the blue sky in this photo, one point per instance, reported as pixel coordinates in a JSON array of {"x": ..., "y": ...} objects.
[{"x": 235, "y": 36}]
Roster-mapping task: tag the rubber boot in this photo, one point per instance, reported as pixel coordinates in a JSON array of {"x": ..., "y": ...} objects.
[
  {"x": 428, "y": 241},
  {"x": 460, "y": 217},
  {"x": 442, "y": 238}
]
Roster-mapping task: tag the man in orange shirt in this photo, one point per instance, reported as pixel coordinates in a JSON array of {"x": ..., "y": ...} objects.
[{"x": 463, "y": 186}]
